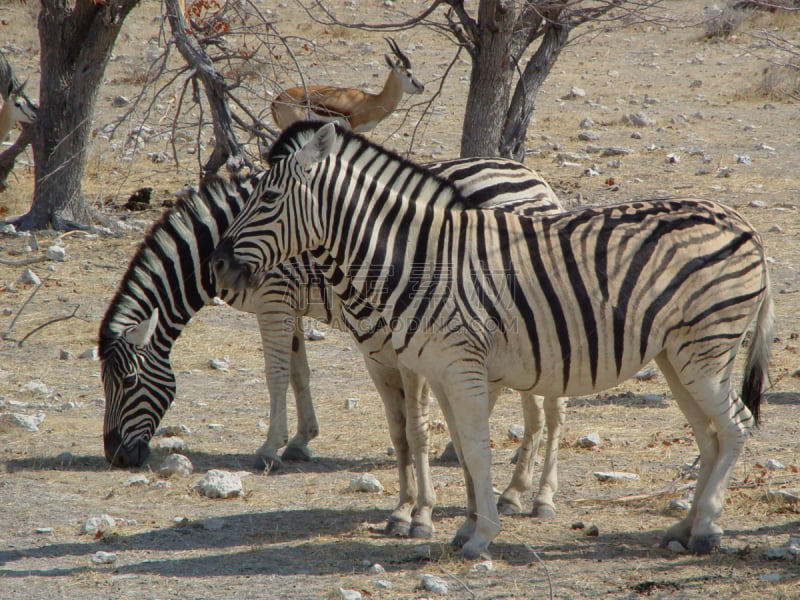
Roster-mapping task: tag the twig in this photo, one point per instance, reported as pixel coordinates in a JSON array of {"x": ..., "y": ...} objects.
[
  {"x": 22, "y": 261},
  {"x": 22, "y": 308},
  {"x": 43, "y": 325}
]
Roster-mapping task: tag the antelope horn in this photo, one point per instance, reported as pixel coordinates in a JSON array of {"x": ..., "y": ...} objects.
[{"x": 397, "y": 52}]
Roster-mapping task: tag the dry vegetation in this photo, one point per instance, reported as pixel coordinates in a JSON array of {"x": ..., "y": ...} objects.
[{"x": 301, "y": 534}]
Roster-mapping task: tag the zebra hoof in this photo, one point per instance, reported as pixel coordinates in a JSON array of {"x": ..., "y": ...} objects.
[
  {"x": 544, "y": 512},
  {"x": 421, "y": 531},
  {"x": 705, "y": 544},
  {"x": 267, "y": 463},
  {"x": 296, "y": 453},
  {"x": 448, "y": 455},
  {"x": 398, "y": 529},
  {"x": 459, "y": 540},
  {"x": 506, "y": 507}
]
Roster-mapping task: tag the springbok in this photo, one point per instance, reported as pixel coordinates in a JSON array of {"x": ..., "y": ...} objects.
[
  {"x": 355, "y": 109},
  {"x": 17, "y": 108}
]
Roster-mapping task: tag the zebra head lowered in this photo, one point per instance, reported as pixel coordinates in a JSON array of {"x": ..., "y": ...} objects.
[{"x": 134, "y": 374}]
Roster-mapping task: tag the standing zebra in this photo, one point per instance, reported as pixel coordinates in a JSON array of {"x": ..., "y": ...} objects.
[
  {"x": 563, "y": 305},
  {"x": 158, "y": 296}
]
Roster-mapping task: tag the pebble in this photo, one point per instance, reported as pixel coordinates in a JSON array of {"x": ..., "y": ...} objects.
[
  {"x": 365, "y": 482},
  {"x": 140, "y": 479},
  {"x": 775, "y": 229},
  {"x": 615, "y": 476},
  {"x": 482, "y": 567},
  {"x": 376, "y": 569},
  {"x": 653, "y": 399},
  {"x": 213, "y": 523},
  {"x": 592, "y": 531},
  {"x": 773, "y": 577},
  {"x": 577, "y": 525},
  {"x": 615, "y": 151},
  {"x": 349, "y": 594},
  {"x": 64, "y": 354},
  {"x": 586, "y": 123},
  {"x": 220, "y": 484},
  {"x": 104, "y": 558},
  {"x": 382, "y": 583},
  {"x": 588, "y": 136},
  {"x": 29, "y": 277},
  {"x": 432, "y": 583},
  {"x": 314, "y": 335},
  {"x": 220, "y": 364},
  {"x": 44, "y": 530},
  {"x": 171, "y": 444},
  {"x": 350, "y": 403},
  {"x": 56, "y": 253},
  {"x": 646, "y": 374},
  {"x": 101, "y": 524},
  {"x": 588, "y": 440},
  {"x": 173, "y": 431},
  {"x": 516, "y": 432},
  {"x": 120, "y": 101},
  {"x": 678, "y": 504},
  {"x": 91, "y": 354},
  {"x": 37, "y": 387},
  {"x": 637, "y": 119},
  {"x": 15, "y": 420},
  {"x": 788, "y": 551},
  {"x": 774, "y": 465}
]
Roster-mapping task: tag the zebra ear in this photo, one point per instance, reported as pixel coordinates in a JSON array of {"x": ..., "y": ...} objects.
[
  {"x": 318, "y": 147},
  {"x": 139, "y": 335}
]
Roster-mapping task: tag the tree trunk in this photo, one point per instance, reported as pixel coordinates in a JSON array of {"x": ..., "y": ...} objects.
[
  {"x": 490, "y": 80},
  {"x": 512, "y": 141},
  {"x": 76, "y": 43}
]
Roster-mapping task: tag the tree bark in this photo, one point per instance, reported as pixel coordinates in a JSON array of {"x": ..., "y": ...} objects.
[{"x": 76, "y": 43}]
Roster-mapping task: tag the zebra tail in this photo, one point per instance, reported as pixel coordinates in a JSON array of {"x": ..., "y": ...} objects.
[{"x": 757, "y": 364}]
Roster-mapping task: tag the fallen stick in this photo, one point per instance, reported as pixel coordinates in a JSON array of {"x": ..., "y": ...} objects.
[{"x": 22, "y": 261}]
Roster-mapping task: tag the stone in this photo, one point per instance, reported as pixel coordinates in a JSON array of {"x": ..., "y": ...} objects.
[
  {"x": 220, "y": 364},
  {"x": 784, "y": 496},
  {"x": 171, "y": 444},
  {"x": 774, "y": 465},
  {"x": 588, "y": 440},
  {"x": 366, "y": 482},
  {"x": 120, "y": 101},
  {"x": 788, "y": 551},
  {"x": 137, "y": 480},
  {"x": 676, "y": 547},
  {"x": 315, "y": 335},
  {"x": 592, "y": 531},
  {"x": 220, "y": 484},
  {"x": 432, "y": 583},
  {"x": 516, "y": 432},
  {"x": 213, "y": 523},
  {"x": 615, "y": 476},
  {"x": 10, "y": 421},
  {"x": 615, "y": 151},
  {"x": 91, "y": 354},
  {"x": 678, "y": 504},
  {"x": 64, "y": 354},
  {"x": 577, "y": 525},
  {"x": 482, "y": 567},
  {"x": 638, "y": 119},
  {"x": 172, "y": 431},
  {"x": 37, "y": 387},
  {"x": 350, "y": 403},
  {"x": 376, "y": 569},
  {"x": 345, "y": 594},
  {"x": 57, "y": 253},
  {"x": 28, "y": 277},
  {"x": 586, "y": 123},
  {"x": 99, "y": 525},
  {"x": 646, "y": 374},
  {"x": 104, "y": 558}
]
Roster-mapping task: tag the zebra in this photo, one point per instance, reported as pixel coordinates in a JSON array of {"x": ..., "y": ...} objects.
[
  {"x": 560, "y": 305},
  {"x": 158, "y": 295}
]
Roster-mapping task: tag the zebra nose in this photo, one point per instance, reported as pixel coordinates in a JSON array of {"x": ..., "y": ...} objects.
[{"x": 122, "y": 456}]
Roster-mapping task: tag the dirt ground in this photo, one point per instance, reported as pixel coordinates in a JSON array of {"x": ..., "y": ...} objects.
[{"x": 301, "y": 533}]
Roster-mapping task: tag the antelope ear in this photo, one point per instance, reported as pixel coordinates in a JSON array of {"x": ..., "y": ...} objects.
[
  {"x": 139, "y": 335},
  {"x": 318, "y": 147}
]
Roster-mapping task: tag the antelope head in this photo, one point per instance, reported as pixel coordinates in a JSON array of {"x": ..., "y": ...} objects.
[{"x": 401, "y": 67}]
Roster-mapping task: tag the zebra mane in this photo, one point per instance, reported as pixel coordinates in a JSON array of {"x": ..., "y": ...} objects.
[
  {"x": 294, "y": 137},
  {"x": 194, "y": 209}
]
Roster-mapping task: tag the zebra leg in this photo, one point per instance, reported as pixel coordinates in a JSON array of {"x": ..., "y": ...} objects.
[
  {"x": 389, "y": 382},
  {"x": 417, "y": 409},
  {"x": 307, "y": 426},
  {"x": 554, "y": 412},
  {"x": 720, "y": 438},
  {"x": 468, "y": 420},
  {"x": 510, "y": 502},
  {"x": 276, "y": 338}
]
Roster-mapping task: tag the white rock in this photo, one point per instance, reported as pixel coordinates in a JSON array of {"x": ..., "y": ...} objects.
[
  {"x": 376, "y": 569},
  {"x": 213, "y": 524},
  {"x": 9, "y": 421},
  {"x": 615, "y": 476},
  {"x": 37, "y": 387},
  {"x": 56, "y": 253},
  {"x": 219, "y": 364},
  {"x": 171, "y": 444},
  {"x": 140, "y": 479},
  {"x": 788, "y": 551},
  {"x": 482, "y": 567},
  {"x": 91, "y": 354},
  {"x": 432, "y": 583},
  {"x": 588, "y": 440},
  {"x": 65, "y": 354},
  {"x": 44, "y": 530},
  {"x": 349, "y": 594},
  {"x": 646, "y": 374},
  {"x": 638, "y": 119},
  {"x": 774, "y": 465},
  {"x": 653, "y": 399},
  {"x": 382, "y": 584},
  {"x": 350, "y": 403},
  {"x": 220, "y": 484},
  {"x": 104, "y": 558},
  {"x": 29, "y": 277},
  {"x": 101, "y": 524},
  {"x": 516, "y": 432},
  {"x": 315, "y": 335},
  {"x": 678, "y": 504},
  {"x": 785, "y": 496},
  {"x": 172, "y": 431},
  {"x": 366, "y": 482}
]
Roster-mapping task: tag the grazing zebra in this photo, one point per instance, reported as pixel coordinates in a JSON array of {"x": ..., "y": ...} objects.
[
  {"x": 562, "y": 305},
  {"x": 158, "y": 295}
]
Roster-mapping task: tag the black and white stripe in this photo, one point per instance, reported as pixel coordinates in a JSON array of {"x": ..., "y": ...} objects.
[{"x": 560, "y": 305}]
